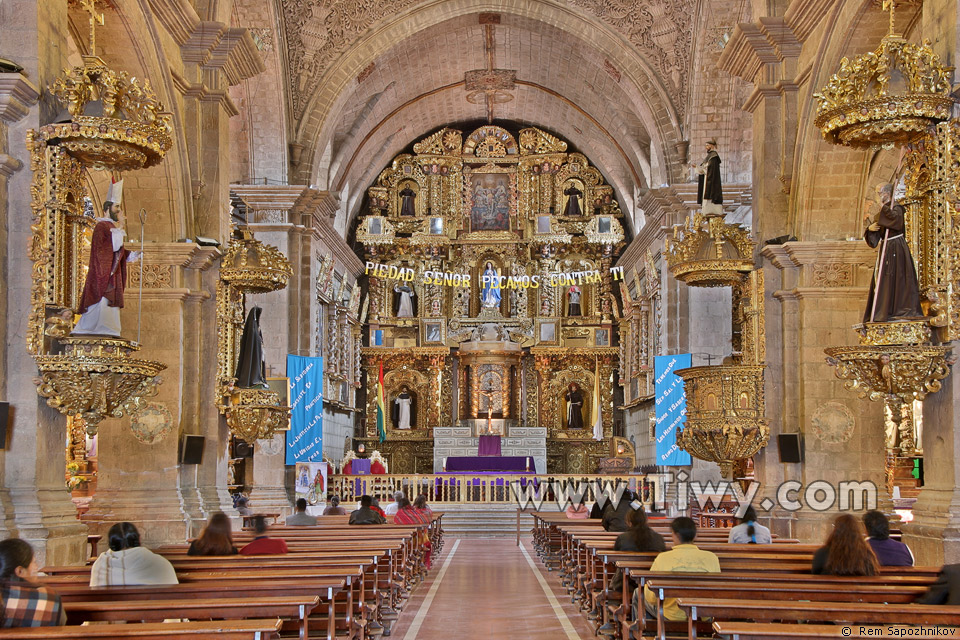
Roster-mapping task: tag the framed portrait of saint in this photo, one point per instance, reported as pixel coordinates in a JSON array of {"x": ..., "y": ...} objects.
[
  {"x": 433, "y": 332},
  {"x": 547, "y": 331},
  {"x": 491, "y": 198},
  {"x": 602, "y": 338}
]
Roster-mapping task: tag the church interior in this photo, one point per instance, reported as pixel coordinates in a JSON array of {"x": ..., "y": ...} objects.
[{"x": 514, "y": 259}]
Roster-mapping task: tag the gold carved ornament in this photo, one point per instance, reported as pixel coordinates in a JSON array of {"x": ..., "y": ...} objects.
[
  {"x": 890, "y": 95},
  {"x": 248, "y": 266},
  {"x": 708, "y": 252},
  {"x": 111, "y": 122}
]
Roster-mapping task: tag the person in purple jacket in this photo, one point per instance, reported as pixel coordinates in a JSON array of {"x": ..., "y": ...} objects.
[{"x": 890, "y": 553}]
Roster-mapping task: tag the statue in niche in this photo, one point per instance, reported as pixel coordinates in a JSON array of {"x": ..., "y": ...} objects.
[
  {"x": 403, "y": 409},
  {"x": 709, "y": 187},
  {"x": 574, "y": 398},
  {"x": 107, "y": 275},
  {"x": 407, "y": 201},
  {"x": 490, "y": 287},
  {"x": 573, "y": 201},
  {"x": 574, "y": 294},
  {"x": 894, "y": 292},
  {"x": 251, "y": 370},
  {"x": 404, "y": 300}
]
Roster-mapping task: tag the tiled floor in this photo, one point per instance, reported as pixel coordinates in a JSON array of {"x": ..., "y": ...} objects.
[{"x": 489, "y": 590}]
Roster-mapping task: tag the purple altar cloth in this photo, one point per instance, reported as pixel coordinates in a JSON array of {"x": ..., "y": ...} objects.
[
  {"x": 506, "y": 464},
  {"x": 489, "y": 446},
  {"x": 360, "y": 466}
]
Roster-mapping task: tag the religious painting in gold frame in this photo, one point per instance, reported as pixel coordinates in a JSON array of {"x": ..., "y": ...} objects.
[
  {"x": 491, "y": 198},
  {"x": 433, "y": 331}
]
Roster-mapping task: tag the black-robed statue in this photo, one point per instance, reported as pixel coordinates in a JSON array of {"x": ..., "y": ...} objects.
[
  {"x": 574, "y": 398},
  {"x": 709, "y": 188},
  {"x": 404, "y": 412},
  {"x": 407, "y": 206},
  {"x": 251, "y": 370},
  {"x": 894, "y": 292},
  {"x": 573, "y": 202}
]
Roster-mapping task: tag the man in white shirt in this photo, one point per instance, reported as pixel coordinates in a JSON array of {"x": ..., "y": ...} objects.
[{"x": 391, "y": 509}]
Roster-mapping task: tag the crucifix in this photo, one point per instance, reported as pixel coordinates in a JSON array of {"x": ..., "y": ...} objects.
[
  {"x": 889, "y": 5},
  {"x": 90, "y": 6},
  {"x": 488, "y": 394}
]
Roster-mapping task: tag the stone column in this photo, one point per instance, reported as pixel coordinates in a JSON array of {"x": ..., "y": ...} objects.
[{"x": 34, "y": 502}]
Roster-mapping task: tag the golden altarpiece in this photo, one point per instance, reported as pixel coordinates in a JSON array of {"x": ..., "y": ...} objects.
[{"x": 442, "y": 225}]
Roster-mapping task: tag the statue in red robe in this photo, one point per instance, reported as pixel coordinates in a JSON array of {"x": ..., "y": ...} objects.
[{"x": 106, "y": 278}]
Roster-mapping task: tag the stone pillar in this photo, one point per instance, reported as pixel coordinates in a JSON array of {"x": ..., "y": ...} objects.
[
  {"x": 34, "y": 502},
  {"x": 818, "y": 296},
  {"x": 934, "y": 534},
  {"x": 269, "y": 494}
]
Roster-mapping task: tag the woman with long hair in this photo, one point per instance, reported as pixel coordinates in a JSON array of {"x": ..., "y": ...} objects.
[
  {"x": 639, "y": 537},
  {"x": 421, "y": 505},
  {"x": 216, "y": 539},
  {"x": 25, "y": 603},
  {"x": 748, "y": 531},
  {"x": 846, "y": 552},
  {"x": 127, "y": 563}
]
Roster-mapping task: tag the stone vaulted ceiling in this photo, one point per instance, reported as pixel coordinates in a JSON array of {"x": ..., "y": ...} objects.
[{"x": 366, "y": 79}]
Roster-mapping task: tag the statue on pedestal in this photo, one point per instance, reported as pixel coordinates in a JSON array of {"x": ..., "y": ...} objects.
[
  {"x": 403, "y": 409},
  {"x": 407, "y": 198},
  {"x": 573, "y": 201},
  {"x": 709, "y": 187},
  {"x": 490, "y": 288},
  {"x": 405, "y": 296},
  {"x": 574, "y": 293},
  {"x": 894, "y": 292},
  {"x": 107, "y": 276},
  {"x": 574, "y": 398},
  {"x": 251, "y": 370}
]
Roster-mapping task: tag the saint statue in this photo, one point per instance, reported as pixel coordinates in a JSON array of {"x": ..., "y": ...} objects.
[
  {"x": 403, "y": 409},
  {"x": 490, "y": 289},
  {"x": 894, "y": 292},
  {"x": 573, "y": 308},
  {"x": 709, "y": 188},
  {"x": 573, "y": 202},
  {"x": 251, "y": 370},
  {"x": 574, "y": 398},
  {"x": 107, "y": 276},
  {"x": 407, "y": 206},
  {"x": 405, "y": 295}
]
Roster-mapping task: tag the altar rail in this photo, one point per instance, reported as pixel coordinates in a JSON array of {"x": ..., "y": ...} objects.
[{"x": 495, "y": 488}]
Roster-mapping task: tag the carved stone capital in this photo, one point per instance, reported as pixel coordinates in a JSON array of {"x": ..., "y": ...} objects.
[{"x": 17, "y": 95}]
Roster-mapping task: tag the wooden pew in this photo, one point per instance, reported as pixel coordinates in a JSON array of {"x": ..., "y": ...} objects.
[
  {"x": 219, "y": 629},
  {"x": 860, "y": 613},
  {"x": 767, "y": 631},
  {"x": 292, "y": 608}
]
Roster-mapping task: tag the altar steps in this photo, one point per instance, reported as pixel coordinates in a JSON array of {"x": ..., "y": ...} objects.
[{"x": 485, "y": 520}]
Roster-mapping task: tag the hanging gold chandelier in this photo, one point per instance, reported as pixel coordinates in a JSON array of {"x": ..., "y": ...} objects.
[{"x": 888, "y": 96}]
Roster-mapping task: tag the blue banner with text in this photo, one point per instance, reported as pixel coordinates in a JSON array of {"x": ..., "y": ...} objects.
[
  {"x": 671, "y": 408},
  {"x": 305, "y": 437}
]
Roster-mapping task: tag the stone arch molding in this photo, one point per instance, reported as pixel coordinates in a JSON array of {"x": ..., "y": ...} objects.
[{"x": 636, "y": 56}]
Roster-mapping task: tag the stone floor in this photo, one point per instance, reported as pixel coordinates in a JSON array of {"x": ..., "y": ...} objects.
[{"x": 490, "y": 588}]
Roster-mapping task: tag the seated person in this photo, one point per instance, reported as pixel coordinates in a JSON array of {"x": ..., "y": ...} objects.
[
  {"x": 300, "y": 518},
  {"x": 25, "y": 603},
  {"x": 420, "y": 504},
  {"x": 846, "y": 553},
  {"x": 684, "y": 556},
  {"x": 242, "y": 505},
  {"x": 616, "y": 518},
  {"x": 376, "y": 506},
  {"x": 946, "y": 590},
  {"x": 127, "y": 563},
  {"x": 216, "y": 539},
  {"x": 391, "y": 509},
  {"x": 577, "y": 511},
  {"x": 640, "y": 537},
  {"x": 748, "y": 531},
  {"x": 334, "y": 508},
  {"x": 365, "y": 514},
  {"x": 261, "y": 545},
  {"x": 889, "y": 552}
]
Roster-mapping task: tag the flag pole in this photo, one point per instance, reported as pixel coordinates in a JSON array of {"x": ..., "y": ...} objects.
[{"x": 143, "y": 219}]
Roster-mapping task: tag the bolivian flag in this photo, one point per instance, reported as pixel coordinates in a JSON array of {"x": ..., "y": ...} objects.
[{"x": 381, "y": 408}]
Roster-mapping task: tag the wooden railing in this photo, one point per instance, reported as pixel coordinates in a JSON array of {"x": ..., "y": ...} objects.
[{"x": 466, "y": 488}]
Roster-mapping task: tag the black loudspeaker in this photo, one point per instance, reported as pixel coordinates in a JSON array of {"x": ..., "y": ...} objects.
[
  {"x": 791, "y": 447},
  {"x": 242, "y": 449},
  {"x": 191, "y": 449},
  {"x": 4, "y": 420}
]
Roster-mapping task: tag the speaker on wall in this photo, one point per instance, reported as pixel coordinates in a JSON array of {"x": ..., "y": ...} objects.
[
  {"x": 4, "y": 420},
  {"x": 791, "y": 447},
  {"x": 191, "y": 449}
]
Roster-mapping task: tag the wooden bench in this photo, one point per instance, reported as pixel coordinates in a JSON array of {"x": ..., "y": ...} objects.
[
  {"x": 766, "y": 631},
  {"x": 860, "y": 613},
  {"x": 219, "y": 629},
  {"x": 291, "y": 608}
]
